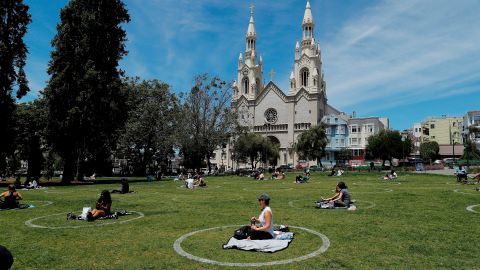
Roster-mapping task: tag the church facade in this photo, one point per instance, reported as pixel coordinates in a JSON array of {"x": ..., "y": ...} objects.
[{"x": 268, "y": 110}]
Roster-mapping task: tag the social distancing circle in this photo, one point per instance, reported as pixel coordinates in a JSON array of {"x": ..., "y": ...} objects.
[
  {"x": 465, "y": 193},
  {"x": 470, "y": 208},
  {"x": 177, "y": 246},
  {"x": 311, "y": 205},
  {"x": 267, "y": 189},
  {"x": 98, "y": 223}
]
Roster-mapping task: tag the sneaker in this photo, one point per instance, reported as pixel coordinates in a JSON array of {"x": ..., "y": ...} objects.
[{"x": 115, "y": 216}]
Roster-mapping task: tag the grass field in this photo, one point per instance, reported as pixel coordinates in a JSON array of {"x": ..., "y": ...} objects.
[{"x": 418, "y": 222}]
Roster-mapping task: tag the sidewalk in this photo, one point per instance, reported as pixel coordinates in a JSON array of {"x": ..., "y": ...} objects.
[{"x": 447, "y": 171}]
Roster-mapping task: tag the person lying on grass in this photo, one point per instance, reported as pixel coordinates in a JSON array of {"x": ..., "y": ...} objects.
[
  {"x": 262, "y": 227},
  {"x": 103, "y": 205},
  {"x": 125, "y": 187},
  {"x": 341, "y": 197},
  {"x": 11, "y": 198}
]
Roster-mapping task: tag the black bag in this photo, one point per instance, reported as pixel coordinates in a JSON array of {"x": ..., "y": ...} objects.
[{"x": 242, "y": 232}]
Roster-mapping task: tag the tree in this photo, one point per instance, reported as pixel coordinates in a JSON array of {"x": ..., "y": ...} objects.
[
  {"x": 30, "y": 130},
  {"x": 470, "y": 151},
  {"x": 86, "y": 105},
  {"x": 207, "y": 120},
  {"x": 429, "y": 150},
  {"x": 311, "y": 144},
  {"x": 253, "y": 148},
  {"x": 345, "y": 154},
  {"x": 388, "y": 144},
  {"x": 149, "y": 135},
  {"x": 14, "y": 19}
]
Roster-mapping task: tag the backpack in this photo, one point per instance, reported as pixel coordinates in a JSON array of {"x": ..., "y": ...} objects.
[{"x": 242, "y": 232}]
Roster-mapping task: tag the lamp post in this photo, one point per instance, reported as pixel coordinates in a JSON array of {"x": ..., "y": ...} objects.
[
  {"x": 453, "y": 151},
  {"x": 403, "y": 152}
]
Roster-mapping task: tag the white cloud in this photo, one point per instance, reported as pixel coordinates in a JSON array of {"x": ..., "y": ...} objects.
[{"x": 420, "y": 49}]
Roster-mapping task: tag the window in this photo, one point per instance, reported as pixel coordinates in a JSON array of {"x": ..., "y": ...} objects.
[
  {"x": 354, "y": 129},
  {"x": 257, "y": 86},
  {"x": 246, "y": 84},
  {"x": 354, "y": 140},
  {"x": 432, "y": 126},
  {"x": 304, "y": 75},
  {"x": 370, "y": 128},
  {"x": 336, "y": 141},
  {"x": 454, "y": 124},
  {"x": 342, "y": 142}
]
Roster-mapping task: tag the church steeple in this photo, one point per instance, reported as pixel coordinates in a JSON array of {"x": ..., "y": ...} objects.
[
  {"x": 308, "y": 25},
  {"x": 251, "y": 33},
  {"x": 250, "y": 71}
]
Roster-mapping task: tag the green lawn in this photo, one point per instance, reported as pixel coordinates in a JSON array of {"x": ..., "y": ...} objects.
[{"x": 418, "y": 222}]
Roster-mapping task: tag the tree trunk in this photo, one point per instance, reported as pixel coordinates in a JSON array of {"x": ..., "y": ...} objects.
[{"x": 68, "y": 168}]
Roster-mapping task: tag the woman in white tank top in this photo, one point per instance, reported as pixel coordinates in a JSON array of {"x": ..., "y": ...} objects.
[{"x": 262, "y": 227}]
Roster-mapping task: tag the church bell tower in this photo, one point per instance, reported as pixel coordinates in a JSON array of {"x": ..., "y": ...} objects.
[{"x": 250, "y": 70}]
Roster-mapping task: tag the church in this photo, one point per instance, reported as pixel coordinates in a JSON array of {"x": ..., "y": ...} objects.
[{"x": 268, "y": 110}]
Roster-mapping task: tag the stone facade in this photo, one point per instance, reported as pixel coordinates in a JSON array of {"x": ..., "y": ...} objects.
[{"x": 269, "y": 111}]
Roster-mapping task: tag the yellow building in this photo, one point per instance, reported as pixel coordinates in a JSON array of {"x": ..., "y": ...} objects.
[{"x": 443, "y": 130}]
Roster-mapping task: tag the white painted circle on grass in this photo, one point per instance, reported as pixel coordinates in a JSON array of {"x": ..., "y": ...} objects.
[
  {"x": 387, "y": 190},
  {"x": 370, "y": 205},
  {"x": 267, "y": 189},
  {"x": 197, "y": 187},
  {"x": 470, "y": 208},
  {"x": 178, "y": 248},
  {"x": 461, "y": 192},
  {"x": 30, "y": 223},
  {"x": 45, "y": 203}
]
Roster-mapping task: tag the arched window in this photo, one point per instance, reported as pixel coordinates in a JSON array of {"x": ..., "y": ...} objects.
[
  {"x": 304, "y": 75},
  {"x": 257, "y": 85},
  {"x": 246, "y": 84}
]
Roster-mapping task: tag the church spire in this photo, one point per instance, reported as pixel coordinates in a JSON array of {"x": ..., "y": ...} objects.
[
  {"x": 251, "y": 33},
  {"x": 308, "y": 23}
]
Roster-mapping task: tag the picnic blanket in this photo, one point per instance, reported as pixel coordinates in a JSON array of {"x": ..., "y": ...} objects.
[
  {"x": 280, "y": 242},
  {"x": 21, "y": 206}
]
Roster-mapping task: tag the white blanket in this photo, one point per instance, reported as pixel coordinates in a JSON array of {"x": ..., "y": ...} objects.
[{"x": 280, "y": 242}]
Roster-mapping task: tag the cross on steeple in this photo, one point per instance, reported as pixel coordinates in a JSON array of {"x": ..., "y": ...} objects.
[
  {"x": 252, "y": 7},
  {"x": 272, "y": 74}
]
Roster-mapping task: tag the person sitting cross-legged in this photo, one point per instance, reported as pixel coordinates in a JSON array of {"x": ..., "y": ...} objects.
[
  {"x": 103, "y": 206},
  {"x": 11, "y": 198},
  {"x": 125, "y": 188},
  {"x": 341, "y": 197},
  {"x": 262, "y": 227}
]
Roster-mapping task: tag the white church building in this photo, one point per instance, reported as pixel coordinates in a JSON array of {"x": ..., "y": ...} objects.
[{"x": 267, "y": 109}]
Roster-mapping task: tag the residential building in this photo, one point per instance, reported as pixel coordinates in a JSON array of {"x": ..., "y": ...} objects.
[
  {"x": 471, "y": 126},
  {"x": 443, "y": 130},
  {"x": 359, "y": 130},
  {"x": 337, "y": 134}
]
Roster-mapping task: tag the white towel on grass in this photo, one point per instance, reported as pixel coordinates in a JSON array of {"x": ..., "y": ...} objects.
[{"x": 280, "y": 242}]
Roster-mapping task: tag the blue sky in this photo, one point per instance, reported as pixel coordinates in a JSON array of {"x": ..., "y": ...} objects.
[{"x": 405, "y": 60}]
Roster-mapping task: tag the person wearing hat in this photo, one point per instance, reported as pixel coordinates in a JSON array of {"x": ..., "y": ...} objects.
[{"x": 262, "y": 227}]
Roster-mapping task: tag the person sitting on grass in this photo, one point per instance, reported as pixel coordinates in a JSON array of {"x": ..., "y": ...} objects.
[
  {"x": 103, "y": 206},
  {"x": 200, "y": 182},
  {"x": 125, "y": 188},
  {"x": 190, "y": 183},
  {"x": 461, "y": 174},
  {"x": 11, "y": 198},
  {"x": 341, "y": 197},
  {"x": 333, "y": 172},
  {"x": 302, "y": 179},
  {"x": 391, "y": 176},
  {"x": 262, "y": 227}
]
